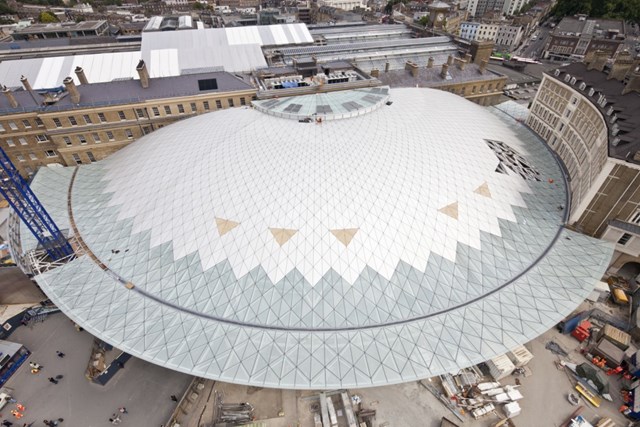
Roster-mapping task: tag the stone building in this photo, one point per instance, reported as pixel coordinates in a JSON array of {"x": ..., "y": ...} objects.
[
  {"x": 589, "y": 117},
  {"x": 87, "y": 122}
]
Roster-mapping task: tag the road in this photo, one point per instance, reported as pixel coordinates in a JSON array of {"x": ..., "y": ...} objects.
[{"x": 534, "y": 49}]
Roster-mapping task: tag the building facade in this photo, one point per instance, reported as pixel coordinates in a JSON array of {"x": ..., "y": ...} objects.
[
  {"x": 62, "y": 30},
  {"x": 70, "y": 133},
  {"x": 589, "y": 118},
  {"x": 576, "y": 37},
  {"x": 509, "y": 37}
]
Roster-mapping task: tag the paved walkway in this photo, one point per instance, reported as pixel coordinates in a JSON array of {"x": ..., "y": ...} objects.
[{"x": 143, "y": 388}]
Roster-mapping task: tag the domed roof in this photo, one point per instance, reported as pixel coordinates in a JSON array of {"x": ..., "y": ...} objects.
[{"x": 421, "y": 217}]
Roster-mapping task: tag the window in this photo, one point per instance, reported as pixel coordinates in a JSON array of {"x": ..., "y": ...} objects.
[
  {"x": 1, "y": 128},
  {"x": 42, "y": 138},
  {"x": 28, "y": 170},
  {"x": 624, "y": 239},
  {"x": 57, "y": 122},
  {"x": 10, "y": 143},
  {"x": 129, "y": 133},
  {"x": 39, "y": 122},
  {"x": 87, "y": 119},
  {"x": 218, "y": 104},
  {"x": 156, "y": 112},
  {"x": 122, "y": 115},
  {"x": 22, "y": 141},
  {"x": 20, "y": 158},
  {"x": 50, "y": 153},
  {"x": 13, "y": 126},
  {"x": 82, "y": 140},
  {"x": 140, "y": 113},
  {"x": 110, "y": 135},
  {"x": 67, "y": 141},
  {"x": 146, "y": 130},
  {"x": 90, "y": 156},
  {"x": 76, "y": 158},
  {"x": 207, "y": 84},
  {"x": 230, "y": 101},
  {"x": 635, "y": 218},
  {"x": 193, "y": 107},
  {"x": 205, "y": 104},
  {"x": 243, "y": 101},
  {"x": 102, "y": 117},
  {"x": 180, "y": 108},
  {"x": 72, "y": 121},
  {"x": 167, "y": 110},
  {"x": 33, "y": 156},
  {"x": 26, "y": 123},
  {"x": 96, "y": 138}
]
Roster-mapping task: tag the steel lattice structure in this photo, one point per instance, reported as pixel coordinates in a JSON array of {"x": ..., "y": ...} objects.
[{"x": 17, "y": 192}]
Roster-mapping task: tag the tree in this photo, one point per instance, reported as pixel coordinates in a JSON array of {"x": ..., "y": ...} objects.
[
  {"x": 47, "y": 17},
  {"x": 424, "y": 21}
]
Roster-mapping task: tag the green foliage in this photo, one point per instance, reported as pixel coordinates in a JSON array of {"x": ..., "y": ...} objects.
[
  {"x": 424, "y": 21},
  {"x": 629, "y": 10},
  {"x": 47, "y": 17},
  {"x": 5, "y": 9},
  {"x": 44, "y": 2}
]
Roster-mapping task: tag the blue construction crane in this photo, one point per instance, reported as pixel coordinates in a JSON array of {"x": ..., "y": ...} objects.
[{"x": 25, "y": 203}]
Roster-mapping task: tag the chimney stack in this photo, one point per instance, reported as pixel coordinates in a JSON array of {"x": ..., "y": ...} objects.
[
  {"x": 430, "y": 62},
  {"x": 81, "y": 76},
  {"x": 599, "y": 61},
  {"x": 467, "y": 58},
  {"x": 28, "y": 88},
  {"x": 72, "y": 89},
  {"x": 621, "y": 66},
  {"x": 445, "y": 70},
  {"x": 375, "y": 73},
  {"x": 412, "y": 67},
  {"x": 386, "y": 67},
  {"x": 633, "y": 85},
  {"x": 460, "y": 63},
  {"x": 450, "y": 60},
  {"x": 143, "y": 73},
  {"x": 10, "y": 97},
  {"x": 483, "y": 66}
]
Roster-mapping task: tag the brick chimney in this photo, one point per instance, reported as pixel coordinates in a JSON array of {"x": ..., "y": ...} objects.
[
  {"x": 450, "y": 60},
  {"x": 445, "y": 70},
  {"x": 633, "y": 85},
  {"x": 412, "y": 67},
  {"x": 143, "y": 73},
  {"x": 10, "y": 97},
  {"x": 430, "y": 62},
  {"x": 467, "y": 58},
  {"x": 621, "y": 66},
  {"x": 72, "y": 89},
  {"x": 81, "y": 76},
  {"x": 387, "y": 66},
  {"x": 28, "y": 88},
  {"x": 375, "y": 73},
  {"x": 599, "y": 61},
  {"x": 483, "y": 66}
]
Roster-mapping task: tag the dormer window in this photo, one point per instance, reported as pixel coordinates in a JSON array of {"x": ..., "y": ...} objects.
[{"x": 582, "y": 86}]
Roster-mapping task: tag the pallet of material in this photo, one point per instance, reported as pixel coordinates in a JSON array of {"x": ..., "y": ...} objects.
[
  {"x": 500, "y": 367},
  {"x": 589, "y": 397},
  {"x": 617, "y": 337},
  {"x": 520, "y": 356}
]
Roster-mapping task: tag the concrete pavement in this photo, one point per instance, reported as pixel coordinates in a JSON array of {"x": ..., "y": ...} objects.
[{"x": 143, "y": 388}]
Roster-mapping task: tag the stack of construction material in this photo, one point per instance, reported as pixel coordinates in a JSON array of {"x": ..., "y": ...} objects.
[
  {"x": 520, "y": 356},
  {"x": 477, "y": 413},
  {"x": 500, "y": 367},
  {"x": 582, "y": 332},
  {"x": 512, "y": 409},
  {"x": 614, "y": 335}
]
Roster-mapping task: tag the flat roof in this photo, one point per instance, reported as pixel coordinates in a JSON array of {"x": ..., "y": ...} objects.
[
  {"x": 64, "y": 26},
  {"x": 430, "y": 77},
  {"x": 124, "y": 91}
]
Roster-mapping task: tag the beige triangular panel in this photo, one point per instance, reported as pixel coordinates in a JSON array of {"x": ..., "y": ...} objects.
[
  {"x": 225, "y": 225},
  {"x": 483, "y": 190},
  {"x": 282, "y": 235},
  {"x": 451, "y": 210},
  {"x": 345, "y": 235}
]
